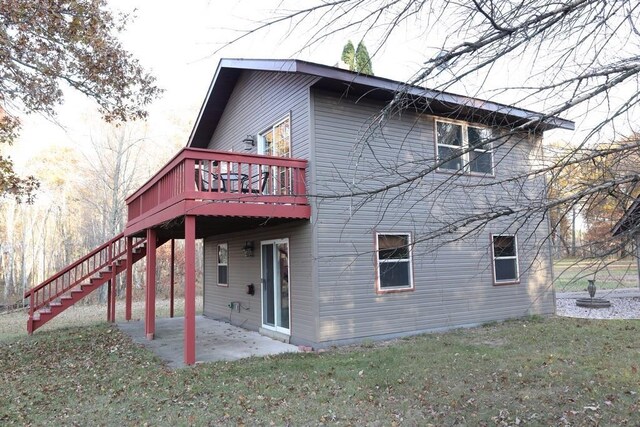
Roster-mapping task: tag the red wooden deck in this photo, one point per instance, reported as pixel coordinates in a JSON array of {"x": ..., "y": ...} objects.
[
  {"x": 204, "y": 190},
  {"x": 220, "y": 184}
]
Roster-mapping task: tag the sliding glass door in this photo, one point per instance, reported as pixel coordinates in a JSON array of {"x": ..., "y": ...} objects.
[{"x": 275, "y": 285}]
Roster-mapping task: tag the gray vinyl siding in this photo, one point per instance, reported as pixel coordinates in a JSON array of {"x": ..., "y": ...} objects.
[
  {"x": 245, "y": 270},
  {"x": 453, "y": 281},
  {"x": 332, "y": 259},
  {"x": 259, "y": 100}
]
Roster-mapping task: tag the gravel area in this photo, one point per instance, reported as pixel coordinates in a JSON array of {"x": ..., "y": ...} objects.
[{"x": 621, "y": 308}]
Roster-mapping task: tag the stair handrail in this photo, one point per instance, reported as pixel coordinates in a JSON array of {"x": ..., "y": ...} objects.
[{"x": 113, "y": 255}]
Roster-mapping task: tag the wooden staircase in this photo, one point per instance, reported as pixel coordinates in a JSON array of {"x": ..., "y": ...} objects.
[{"x": 76, "y": 281}]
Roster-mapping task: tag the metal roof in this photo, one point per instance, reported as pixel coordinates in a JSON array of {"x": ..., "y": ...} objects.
[{"x": 362, "y": 86}]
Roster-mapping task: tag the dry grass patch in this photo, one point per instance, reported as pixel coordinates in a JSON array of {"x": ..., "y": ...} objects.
[
  {"x": 14, "y": 324},
  {"x": 572, "y": 275},
  {"x": 530, "y": 372}
]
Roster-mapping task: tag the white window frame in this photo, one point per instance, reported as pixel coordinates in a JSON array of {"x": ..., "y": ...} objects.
[
  {"x": 280, "y": 181},
  {"x": 271, "y": 129},
  {"x": 465, "y": 157},
  {"x": 379, "y": 288},
  {"x": 218, "y": 264},
  {"x": 494, "y": 258}
]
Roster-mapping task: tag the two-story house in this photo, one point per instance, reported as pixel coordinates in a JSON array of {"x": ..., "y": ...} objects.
[{"x": 320, "y": 225}]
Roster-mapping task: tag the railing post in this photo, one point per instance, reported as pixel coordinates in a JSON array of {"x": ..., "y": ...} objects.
[
  {"x": 299, "y": 180},
  {"x": 189, "y": 173}
]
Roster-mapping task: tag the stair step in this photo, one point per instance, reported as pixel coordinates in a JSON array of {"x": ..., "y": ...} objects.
[{"x": 79, "y": 290}]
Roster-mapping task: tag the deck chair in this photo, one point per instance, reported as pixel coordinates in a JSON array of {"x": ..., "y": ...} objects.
[
  {"x": 258, "y": 183},
  {"x": 202, "y": 180}
]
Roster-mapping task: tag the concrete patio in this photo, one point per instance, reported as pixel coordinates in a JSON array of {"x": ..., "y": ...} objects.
[{"x": 215, "y": 340}]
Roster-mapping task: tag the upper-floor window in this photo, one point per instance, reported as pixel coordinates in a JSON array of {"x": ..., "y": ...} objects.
[
  {"x": 455, "y": 138},
  {"x": 393, "y": 262},
  {"x": 276, "y": 141}
]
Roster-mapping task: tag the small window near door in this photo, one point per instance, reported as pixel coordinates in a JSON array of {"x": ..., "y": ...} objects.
[
  {"x": 393, "y": 262},
  {"x": 223, "y": 265},
  {"x": 505, "y": 259}
]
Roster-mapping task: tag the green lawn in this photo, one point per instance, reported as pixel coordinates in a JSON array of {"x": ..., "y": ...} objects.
[
  {"x": 572, "y": 275},
  {"x": 555, "y": 371}
]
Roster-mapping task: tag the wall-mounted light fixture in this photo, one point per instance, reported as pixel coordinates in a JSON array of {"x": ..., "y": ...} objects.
[
  {"x": 249, "y": 142},
  {"x": 247, "y": 250}
]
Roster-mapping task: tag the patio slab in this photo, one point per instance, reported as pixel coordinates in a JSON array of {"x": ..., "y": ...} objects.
[{"x": 215, "y": 340}]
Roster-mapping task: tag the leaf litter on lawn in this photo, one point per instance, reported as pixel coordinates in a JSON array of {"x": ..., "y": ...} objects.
[{"x": 526, "y": 372}]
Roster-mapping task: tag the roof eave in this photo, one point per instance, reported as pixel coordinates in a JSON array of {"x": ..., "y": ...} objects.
[
  {"x": 532, "y": 120},
  {"x": 623, "y": 224}
]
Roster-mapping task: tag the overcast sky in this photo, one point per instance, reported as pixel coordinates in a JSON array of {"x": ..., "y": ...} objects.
[{"x": 178, "y": 43}]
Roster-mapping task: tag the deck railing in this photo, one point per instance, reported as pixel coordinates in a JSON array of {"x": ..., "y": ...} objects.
[
  {"x": 215, "y": 176},
  {"x": 78, "y": 272}
]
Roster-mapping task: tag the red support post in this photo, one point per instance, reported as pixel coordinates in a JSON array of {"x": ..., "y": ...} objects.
[
  {"x": 190, "y": 290},
  {"x": 112, "y": 300},
  {"x": 150, "y": 297},
  {"x": 173, "y": 269},
  {"x": 108, "y": 285},
  {"x": 30, "y": 321},
  {"x": 129, "y": 279}
]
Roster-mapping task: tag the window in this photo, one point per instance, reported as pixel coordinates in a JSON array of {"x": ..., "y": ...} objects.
[
  {"x": 393, "y": 262},
  {"x": 505, "y": 259},
  {"x": 454, "y": 138},
  {"x": 276, "y": 141},
  {"x": 223, "y": 265}
]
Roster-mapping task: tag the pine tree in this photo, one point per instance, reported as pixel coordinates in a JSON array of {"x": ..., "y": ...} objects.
[
  {"x": 349, "y": 55},
  {"x": 357, "y": 60},
  {"x": 363, "y": 61}
]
